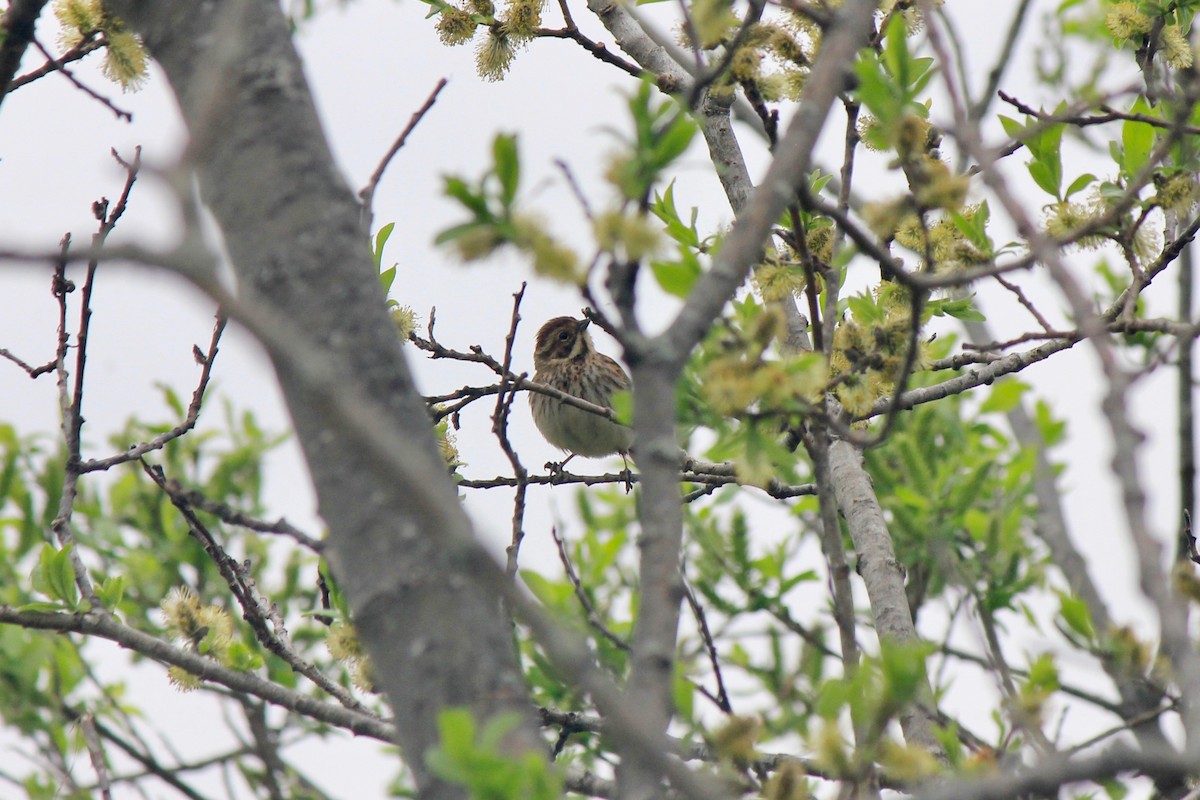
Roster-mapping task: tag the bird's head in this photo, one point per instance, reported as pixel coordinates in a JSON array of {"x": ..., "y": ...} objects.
[{"x": 562, "y": 339}]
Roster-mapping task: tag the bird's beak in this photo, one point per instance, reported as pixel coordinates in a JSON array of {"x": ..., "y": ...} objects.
[{"x": 584, "y": 323}]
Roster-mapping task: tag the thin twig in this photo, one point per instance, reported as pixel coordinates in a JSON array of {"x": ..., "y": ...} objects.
[
  {"x": 1187, "y": 409},
  {"x": 1109, "y": 115},
  {"x": 265, "y": 746},
  {"x": 262, "y": 615},
  {"x": 597, "y": 49},
  {"x": 88, "y": 44},
  {"x": 775, "y": 488},
  {"x": 205, "y": 360},
  {"x": 71, "y": 400},
  {"x": 367, "y": 195},
  {"x": 504, "y": 401},
  {"x": 96, "y": 754},
  {"x": 60, "y": 66},
  {"x": 710, "y": 646},
  {"x": 30, "y": 370},
  {"x": 576, "y": 189},
  {"x": 232, "y": 516},
  {"x": 1024, "y": 301},
  {"x": 1127, "y": 725},
  {"x": 589, "y": 610},
  {"x": 169, "y": 775}
]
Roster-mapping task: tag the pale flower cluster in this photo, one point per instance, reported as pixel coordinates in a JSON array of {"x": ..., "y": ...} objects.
[
  {"x": 125, "y": 58},
  {"x": 343, "y": 644},
  {"x": 206, "y": 629}
]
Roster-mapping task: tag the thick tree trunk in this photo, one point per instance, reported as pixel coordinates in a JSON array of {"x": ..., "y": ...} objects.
[{"x": 436, "y": 637}]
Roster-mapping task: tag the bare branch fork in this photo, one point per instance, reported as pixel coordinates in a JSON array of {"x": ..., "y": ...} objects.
[
  {"x": 261, "y": 614},
  {"x": 205, "y": 359},
  {"x": 71, "y": 397},
  {"x": 88, "y": 44},
  {"x": 59, "y": 65},
  {"x": 504, "y": 401}
]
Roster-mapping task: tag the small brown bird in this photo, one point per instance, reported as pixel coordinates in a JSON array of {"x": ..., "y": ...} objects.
[{"x": 566, "y": 359}]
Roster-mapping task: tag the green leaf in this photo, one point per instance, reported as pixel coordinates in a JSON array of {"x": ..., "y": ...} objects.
[
  {"x": 1045, "y": 176},
  {"x": 834, "y": 695},
  {"x": 1004, "y": 397},
  {"x": 456, "y": 728},
  {"x": 677, "y": 277},
  {"x": 674, "y": 140},
  {"x": 171, "y": 398},
  {"x": 1046, "y": 141},
  {"x": 974, "y": 227},
  {"x": 683, "y": 692},
  {"x": 622, "y": 406},
  {"x": 963, "y": 308},
  {"x": 1011, "y": 127},
  {"x": 912, "y": 498},
  {"x": 59, "y": 574},
  {"x": 879, "y": 93},
  {"x": 922, "y": 69},
  {"x": 1044, "y": 146},
  {"x": 806, "y": 576},
  {"x": 550, "y": 593},
  {"x": 241, "y": 657},
  {"x": 864, "y": 309},
  {"x": 818, "y": 181},
  {"x": 381, "y": 238},
  {"x": 452, "y": 233},
  {"x": 1114, "y": 789},
  {"x": 458, "y": 189},
  {"x": 663, "y": 207},
  {"x": 1043, "y": 672},
  {"x": 1137, "y": 139},
  {"x": 436, "y": 7},
  {"x": 903, "y": 667},
  {"x": 41, "y": 607},
  {"x": 480, "y": 764},
  {"x": 386, "y": 278},
  {"x": 896, "y": 57},
  {"x": 1075, "y": 613},
  {"x": 110, "y": 591},
  {"x": 1053, "y": 430},
  {"x": 508, "y": 166},
  {"x": 1082, "y": 182}
]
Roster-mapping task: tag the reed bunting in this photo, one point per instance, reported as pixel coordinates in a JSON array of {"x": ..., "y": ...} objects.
[{"x": 566, "y": 359}]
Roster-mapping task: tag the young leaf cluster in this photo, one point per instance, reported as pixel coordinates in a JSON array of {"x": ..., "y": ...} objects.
[{"x": 495, "y": 221}]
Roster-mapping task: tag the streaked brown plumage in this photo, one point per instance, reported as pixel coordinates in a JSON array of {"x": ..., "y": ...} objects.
[{"x": 566, "y": 359}]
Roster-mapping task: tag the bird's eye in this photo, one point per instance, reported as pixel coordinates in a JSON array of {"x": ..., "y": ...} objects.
[{"x": 562, "y": 337}]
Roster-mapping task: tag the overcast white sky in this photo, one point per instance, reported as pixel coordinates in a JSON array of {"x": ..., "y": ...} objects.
[{"x": 371, "y": 65}]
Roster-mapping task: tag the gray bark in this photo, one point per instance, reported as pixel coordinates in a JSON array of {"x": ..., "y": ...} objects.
[{"x": 437, "y": 637}]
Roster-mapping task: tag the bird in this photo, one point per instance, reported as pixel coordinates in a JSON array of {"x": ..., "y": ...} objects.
[{"x": 565, "y": 358}]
